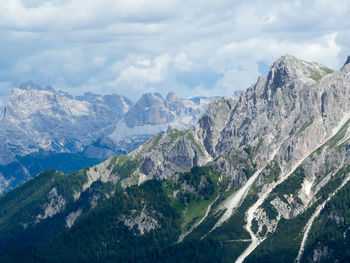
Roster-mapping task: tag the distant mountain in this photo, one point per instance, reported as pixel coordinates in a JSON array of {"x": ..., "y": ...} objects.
[
  {"x": 119, "y": 104},
  {"x": 152, "y": 114},
  {"x": 261, "y": 179},
  {"x": 44, "y": 129}
]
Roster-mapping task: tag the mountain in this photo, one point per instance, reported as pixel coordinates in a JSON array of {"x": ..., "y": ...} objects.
[
  {"x": 261, "y": 179},
  {"x": 151, "y": 115},
  {"x": 44, "y": 129}
]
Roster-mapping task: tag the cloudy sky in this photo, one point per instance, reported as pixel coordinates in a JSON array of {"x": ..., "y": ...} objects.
[{"x": 130, "y": 47}]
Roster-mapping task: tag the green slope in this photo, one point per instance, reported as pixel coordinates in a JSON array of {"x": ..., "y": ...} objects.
[{"x": 101, "y": 236}]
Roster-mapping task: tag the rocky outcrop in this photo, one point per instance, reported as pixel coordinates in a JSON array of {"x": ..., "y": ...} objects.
[
  {"x": 70, "y": 219},
  {"x": 140, "y": 221},
  {"x": 55, "y": 204}
]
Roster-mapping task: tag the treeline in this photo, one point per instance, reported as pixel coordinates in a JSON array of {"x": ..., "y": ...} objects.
[{"x": 101, "y": 235}]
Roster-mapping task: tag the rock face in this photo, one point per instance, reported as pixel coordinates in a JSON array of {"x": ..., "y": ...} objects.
[
  {"x": 70, "y": 219},
  {"x": 38, "y": 124},
  {"x": 42, "y": 119},
  {"x": 119, "y": 104},
  {"x": 55, "y": 205},
  {"x": 288, "y": 102},
  {"x": 150, "y": 109},
  {"x": 142, "y": 221}
]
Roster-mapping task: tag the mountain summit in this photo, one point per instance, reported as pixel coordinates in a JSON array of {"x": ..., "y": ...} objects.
[
  {"x": 291, "y": 69},
  {"x": 346, "y": 67}
]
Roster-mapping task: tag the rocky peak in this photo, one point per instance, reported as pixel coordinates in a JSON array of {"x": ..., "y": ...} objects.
[
  {"x": 157, "y": 94},
  {"x": 150, "y": 98},
  {"x": 149, "y": 109},
  {"x": 174, "y": 103},
  {"x": 118, "y": 103},
  {"x": 29, "y": 85},
  {"x": 171, "y": 97},
  {"x": 30, "y": 96},
  {"x": 346, "y": 66},
  {"x": 288, "y": 69}
]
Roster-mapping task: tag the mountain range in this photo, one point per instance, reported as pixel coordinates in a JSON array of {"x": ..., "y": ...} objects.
[
  {"x": 44, "y": 129},
  {"x": 262, "y": 178}
]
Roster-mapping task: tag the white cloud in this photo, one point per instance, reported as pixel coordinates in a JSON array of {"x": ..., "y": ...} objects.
[
  {"x": 80, "y": 14},
  {"x": 99, "y": 61},
  {"x": 146, "y": 73},
  {"x": 182, "y": 62},
  {"x": 323, "y": 49},
  {"x": 235, "y": 80},
  {"x": 190, "y": 47}
]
